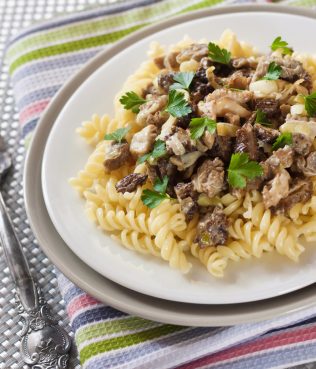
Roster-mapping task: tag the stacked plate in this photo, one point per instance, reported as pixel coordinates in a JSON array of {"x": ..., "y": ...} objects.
[{"x": 252, "y": 290}]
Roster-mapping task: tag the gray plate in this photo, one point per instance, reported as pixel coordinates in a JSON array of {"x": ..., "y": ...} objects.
[{"x": 103, "y": 289}]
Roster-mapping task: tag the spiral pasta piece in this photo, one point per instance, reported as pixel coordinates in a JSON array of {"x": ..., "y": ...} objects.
[
  {"x": 278, "y": 232},
  {"x": 299, "y": 209},
  {"x": 213, "y": 260},
  {"x": 93, "y": 130},
  {"x": 232, "y": 205},
  {"x": 171, "y": 251},
  {"x": 255, "y": 242},
  {"x": 136, "y": 241}
]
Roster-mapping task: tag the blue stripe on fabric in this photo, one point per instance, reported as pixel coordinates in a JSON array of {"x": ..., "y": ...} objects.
[
  {"x": 108, "y": 10},
  {"x": 71, "y": 293},
  {"x": 310, "y": 321},
  {"x": 129, "y": 354},
  {"x": 29, "y": 127},
  {"x": 68, "y": 60},
  {"x": 37, "y": 95},
  {"x": 95, "y": 315},
  {"x": 272, "y": 358}
]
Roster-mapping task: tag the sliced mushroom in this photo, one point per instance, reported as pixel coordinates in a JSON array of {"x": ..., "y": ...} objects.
[
  {"x": 276, "y": 189},
  {"x": 143, "y": 141},
  {"x": 185, "y": 161}
]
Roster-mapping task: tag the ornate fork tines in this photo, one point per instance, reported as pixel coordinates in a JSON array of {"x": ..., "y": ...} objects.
[{"x": 45, "y": 344}]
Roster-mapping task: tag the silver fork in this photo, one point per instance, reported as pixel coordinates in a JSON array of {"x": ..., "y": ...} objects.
[{"x": 44, "y": 343}]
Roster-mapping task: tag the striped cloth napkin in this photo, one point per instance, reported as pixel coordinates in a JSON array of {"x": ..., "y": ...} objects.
[{"x": 41, "y": 59}]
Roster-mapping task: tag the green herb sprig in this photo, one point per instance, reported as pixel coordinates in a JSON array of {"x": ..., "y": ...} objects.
[
  {"x": 131, "y": 101},
  {"x": 278, "y": 43},
  {"x": 310, "y": 104},
  {"x": 159, "y": 150},
  {"x": 273, "y": 73},
  {"x": 177, "y": 104},
  {"x": 262, "y": 119},
  {"x": 285, "y": 138},
  {"x": 198, "y": 126},
  {"x": 241, "y": 168},
  {"x": 117, "y": 135},
  {"x": 218, "y": 55},
  {"x": 152, "y": 198},
  {"x": 183, "y": 80}
]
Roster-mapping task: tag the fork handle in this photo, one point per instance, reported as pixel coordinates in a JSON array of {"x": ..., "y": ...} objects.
[{"x": 19, "y": 269}]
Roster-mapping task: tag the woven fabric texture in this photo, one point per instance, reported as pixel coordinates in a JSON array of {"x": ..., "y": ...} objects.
[{"x": 40, "y": 60}]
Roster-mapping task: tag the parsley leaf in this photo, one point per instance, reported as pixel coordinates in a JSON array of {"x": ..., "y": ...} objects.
[
  {"x": 278, "y": 43},
  {"x": 262, "y": 118},
  {"x": 131, "y": 101},
  {"x": 117, "y": 135},
  {"x": 217, "y": 54},
  {"x": 143, "y": 158},
  {"x": 159, "y": 150},
  {"x": 183, "y": 80},
  {"x": 241, "y": 168},
  {"x": 198, "y": 125},
  {"x": 310, "y": 104},
  {"x": 273, "y": 73},
  {"x": 161, "y": 186},
  {"x": 284, "y": 139},
  {"x": 152, "y": 198},
  {"x": 177, "y": 105}
]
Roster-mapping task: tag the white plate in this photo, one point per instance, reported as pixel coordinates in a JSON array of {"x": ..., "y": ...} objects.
[
  {"x": 66, "y": 153},
  {"x": 94, "y": 283}
]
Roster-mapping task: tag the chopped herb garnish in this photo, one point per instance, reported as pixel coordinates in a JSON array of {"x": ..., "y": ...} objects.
[
  {"x": 117, "y": 135},
  {"x": 310, "y": 104},
  {"x": 183, "y": 80},
  {"x": 198, "y": 125},
  {"x": 273, "y": 73},
  {"x": 153, "y": 198},
  {"x": 278, "y": 43},
  {"x": 177, "y": 104},
  {"x": 131, "y": 101},
  {"x": 217, "y": 54},
  {"x": 284, "y": 139},
  {"x": 143, "y": 158},
  {"x": 161, "y": 186},
  {"x": 158, "y": 151},
  {"x": 262, "y": 118},
  {"x": 241, "y": 168}
]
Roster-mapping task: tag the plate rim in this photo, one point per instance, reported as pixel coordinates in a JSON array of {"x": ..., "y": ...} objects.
[{"x": 65, "y": 93}]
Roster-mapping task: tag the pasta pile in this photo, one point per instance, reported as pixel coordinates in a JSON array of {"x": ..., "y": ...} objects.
[{"x": 163, "y": 231}]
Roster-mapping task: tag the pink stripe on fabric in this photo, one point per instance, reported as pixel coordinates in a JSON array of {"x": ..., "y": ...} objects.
[
  {"x": 81, "y": 302},
  {"x": 32, "y": 111},
  {"x": 281, "y": 339}
]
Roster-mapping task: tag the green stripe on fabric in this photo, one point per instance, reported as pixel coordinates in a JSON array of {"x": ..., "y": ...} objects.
[
  {"x": 102, "y": 25},
  {"x": 201, "y": 5},
  {"x": 125, "y": 341},
  {"x": 111, "y": 327},
  {"x": 96, "y": 40},
  {"x": 308, "y": 3},
  {"x": 72, "y": 46}
]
